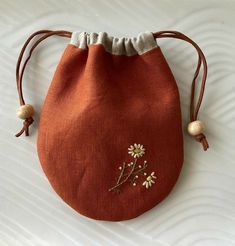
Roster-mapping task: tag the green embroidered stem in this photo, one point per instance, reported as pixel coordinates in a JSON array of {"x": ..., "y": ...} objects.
[
  {"x": 121, "y": 174},
  {"x": 127, "y": 176},
  {"x": 138, "y": 170}
]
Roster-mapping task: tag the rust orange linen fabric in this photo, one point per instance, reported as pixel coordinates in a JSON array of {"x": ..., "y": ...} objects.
[{"x": 97, "y": 106}]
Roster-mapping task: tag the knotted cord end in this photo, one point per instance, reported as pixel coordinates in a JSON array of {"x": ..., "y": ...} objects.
[
  {"x": 196, "y": 129},
  {"x": 201, "y": 138},
  {"x": 25, "y": 128}
]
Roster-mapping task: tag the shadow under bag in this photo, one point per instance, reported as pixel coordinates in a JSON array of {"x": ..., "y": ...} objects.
[{"x": 110, "y": 137}]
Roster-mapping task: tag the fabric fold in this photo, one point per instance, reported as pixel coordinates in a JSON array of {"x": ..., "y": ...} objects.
[{"x": 144, "y": 42}]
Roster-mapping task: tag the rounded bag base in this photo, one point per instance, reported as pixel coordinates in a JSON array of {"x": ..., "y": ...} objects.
[
  {"x": 92, "y": 197},
  {"x": 130, "y": 210}
]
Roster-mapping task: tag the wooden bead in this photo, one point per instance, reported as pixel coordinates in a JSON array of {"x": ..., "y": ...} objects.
[
  {"x": 195, "y": 128},
  {"x": 25, "y": 111}
]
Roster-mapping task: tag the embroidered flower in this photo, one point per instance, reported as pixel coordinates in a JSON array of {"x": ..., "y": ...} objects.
[
  {"x": 133, "y": 171},
  {"x": 136, "y": 150},
  {"x": 149, "y": 180}
]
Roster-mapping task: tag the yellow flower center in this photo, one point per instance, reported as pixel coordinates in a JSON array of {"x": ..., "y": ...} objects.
[
  {"x": 149, "y": 178},
  {"x": 137, "y": 150}
]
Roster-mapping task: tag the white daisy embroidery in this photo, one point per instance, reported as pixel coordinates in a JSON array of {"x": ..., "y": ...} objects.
[
  {"x": 136, "y": 150},
  {"x": 134, "y": 170},
  {"x": 149, "y": 180}
]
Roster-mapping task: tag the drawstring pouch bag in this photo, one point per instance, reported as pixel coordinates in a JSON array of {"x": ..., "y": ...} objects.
[{"x": 110, "y": 137}]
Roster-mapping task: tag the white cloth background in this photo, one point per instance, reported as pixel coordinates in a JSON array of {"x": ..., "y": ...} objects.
[{"x": 201, "y": 208}]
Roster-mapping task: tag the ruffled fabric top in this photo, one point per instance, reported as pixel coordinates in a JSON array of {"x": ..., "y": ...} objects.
[{"x": 117, "y": 46}]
